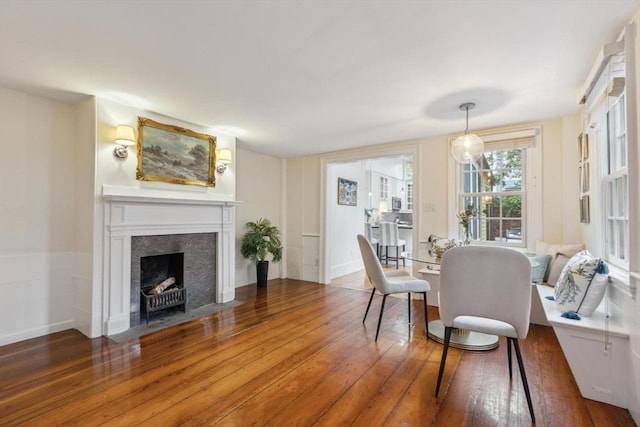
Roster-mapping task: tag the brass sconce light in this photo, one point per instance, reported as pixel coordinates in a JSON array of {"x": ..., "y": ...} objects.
[
  {"x": 125, "y": 136},
  {"x": 223, "y": 160}
]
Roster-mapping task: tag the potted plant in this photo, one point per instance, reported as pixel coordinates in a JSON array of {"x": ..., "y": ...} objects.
[{"x": 261, "y": 240}]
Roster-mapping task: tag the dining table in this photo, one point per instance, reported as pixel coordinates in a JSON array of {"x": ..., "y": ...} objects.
[{"x": 460, "y": 338}]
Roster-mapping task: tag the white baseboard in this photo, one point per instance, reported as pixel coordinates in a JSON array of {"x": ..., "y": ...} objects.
[{"x": 35, "y": 332}]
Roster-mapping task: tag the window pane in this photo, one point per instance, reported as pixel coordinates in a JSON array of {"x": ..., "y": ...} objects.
[
  {"x": 512, "y": 206},
  {"x": 513, "y": 230},
  {"x": 493, "y": 231},
  {"x": 611, "y": 244},
  {"x": 408, "y": 170},
  {"x": 621, "y": 239},
  {"x": 611, "y": 198}
]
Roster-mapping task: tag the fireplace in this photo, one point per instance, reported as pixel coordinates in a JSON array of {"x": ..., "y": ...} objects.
[
  {"x": 187, "y": 222},
  {"x": 189, "y": 258}
]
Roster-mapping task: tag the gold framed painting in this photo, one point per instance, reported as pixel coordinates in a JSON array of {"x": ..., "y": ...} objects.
[{"x": 173, "y": 154}]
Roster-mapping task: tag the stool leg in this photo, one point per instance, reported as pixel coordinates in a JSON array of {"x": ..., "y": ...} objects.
[{"x": 397, "y": 257}]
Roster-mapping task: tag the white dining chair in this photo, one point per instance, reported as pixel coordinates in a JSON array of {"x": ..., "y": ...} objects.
[
  {"x": 488, "y": 290},
  {"x": 390, "y": 283}
]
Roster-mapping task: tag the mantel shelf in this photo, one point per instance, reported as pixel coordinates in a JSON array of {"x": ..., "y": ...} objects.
[{"x": 114, "y": 193}]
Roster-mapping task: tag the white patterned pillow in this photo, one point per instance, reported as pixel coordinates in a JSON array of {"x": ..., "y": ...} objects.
[{"x": 581, "y": 284}]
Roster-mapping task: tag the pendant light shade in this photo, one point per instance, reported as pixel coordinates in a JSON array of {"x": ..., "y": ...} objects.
[{"x": 468, "y": 147}]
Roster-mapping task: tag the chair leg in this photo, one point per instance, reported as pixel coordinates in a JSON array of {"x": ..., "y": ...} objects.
[
  {"x": 384, "y": 298},
  {"x": 447, "y": 338},
  {"x": 509, "y": 356},
  {"x": 409, "y": 299},
  {"x": 403, "y": 260},
  {"x": 524, "y": 379},
  {"x": 373, "y": 291},
  {"x": 426, "y": 316},
  {"x": 398, "y": 257}
]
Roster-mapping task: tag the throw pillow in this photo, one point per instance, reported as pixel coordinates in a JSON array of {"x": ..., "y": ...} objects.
[
  {"x": 554, "y": 271},
  {"x": 539, "y": 267},
  {"x": 581, "y": 285},
  {"x": 554, "y": 249}
]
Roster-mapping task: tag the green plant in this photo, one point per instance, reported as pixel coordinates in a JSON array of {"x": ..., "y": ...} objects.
[{"x": 261, "y": 239}]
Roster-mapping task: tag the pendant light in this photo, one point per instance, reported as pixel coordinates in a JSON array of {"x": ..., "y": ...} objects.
[{"x": 468, "y": 147}]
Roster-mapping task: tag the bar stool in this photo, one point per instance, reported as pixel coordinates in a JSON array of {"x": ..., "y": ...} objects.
[
  {"x": 368, "y": 233},
  {"x": 390, "y": 236}
]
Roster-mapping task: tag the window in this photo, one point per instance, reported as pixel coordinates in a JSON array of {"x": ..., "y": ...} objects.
[
  {"x": 493, "y": 189},
  {"x": 615, "y": 185},
  {"x": 410, "y": 196},
  {"x": 504, "y": 189},
  {"x": 605, "y": 109},
  {"x": 384, "y": 188}
]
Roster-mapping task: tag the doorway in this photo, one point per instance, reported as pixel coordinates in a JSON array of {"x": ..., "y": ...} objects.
[{"x": 378, "y": 186}]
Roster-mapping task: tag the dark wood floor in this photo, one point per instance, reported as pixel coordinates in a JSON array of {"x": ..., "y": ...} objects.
[{"x": 294, "y": 354}]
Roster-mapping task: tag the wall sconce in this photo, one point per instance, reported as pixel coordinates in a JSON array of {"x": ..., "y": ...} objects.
[
  {"x": 125, "y": 136},
  {"x": 224, "y": 159}
]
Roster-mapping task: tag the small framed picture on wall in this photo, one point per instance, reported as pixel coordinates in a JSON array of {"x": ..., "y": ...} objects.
[{"x": 347, "y": 192}]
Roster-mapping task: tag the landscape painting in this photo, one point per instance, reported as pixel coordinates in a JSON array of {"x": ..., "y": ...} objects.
[{"x": 173, "y": 154}]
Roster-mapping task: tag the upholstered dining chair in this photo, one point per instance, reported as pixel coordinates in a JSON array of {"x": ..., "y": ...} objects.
[
  {"x": 390, "y": 237},
  {"x": 368, "y": 233},
  {"x": 486, "y": 289},
  {"x": 390, "y": 283}
]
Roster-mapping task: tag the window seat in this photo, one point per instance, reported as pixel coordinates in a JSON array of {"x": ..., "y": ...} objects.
[{"x": 601, "y": 373}]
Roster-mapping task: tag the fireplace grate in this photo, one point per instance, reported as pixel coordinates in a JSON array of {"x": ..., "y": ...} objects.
[{"x": 170, "y": 298}]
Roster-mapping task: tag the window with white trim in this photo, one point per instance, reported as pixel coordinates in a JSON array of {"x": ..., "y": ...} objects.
[
  {"x": 605, "y": 107},
  {"x": 507, "y": 208},
  {"x": 615, "y": 184},
  {"x": 493, "y": 190}
]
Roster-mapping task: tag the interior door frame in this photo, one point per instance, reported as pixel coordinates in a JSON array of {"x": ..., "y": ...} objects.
[{"x": 412, "y": 150}]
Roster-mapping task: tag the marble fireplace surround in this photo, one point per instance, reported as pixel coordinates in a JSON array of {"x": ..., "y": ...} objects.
[{"x": 131, "y": 211}]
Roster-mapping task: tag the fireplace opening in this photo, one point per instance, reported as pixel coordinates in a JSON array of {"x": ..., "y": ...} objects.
[
  {"x": 161, "y": 284},
  {"x": 196, "y": 271}
]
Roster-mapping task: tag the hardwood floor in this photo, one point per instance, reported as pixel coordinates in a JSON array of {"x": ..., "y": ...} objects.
[{"x": 294, "y": 354}]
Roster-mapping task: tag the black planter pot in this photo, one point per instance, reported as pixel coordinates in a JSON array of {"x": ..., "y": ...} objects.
[{"x": 262, "y": 270}]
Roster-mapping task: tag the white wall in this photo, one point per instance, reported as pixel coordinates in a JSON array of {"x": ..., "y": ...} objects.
[
  {"x": 83, "y": 272},
  {"x": 260, "y": 186},
  {"x": 348, "y": 220},
  {"x": 36, "y": 216}
]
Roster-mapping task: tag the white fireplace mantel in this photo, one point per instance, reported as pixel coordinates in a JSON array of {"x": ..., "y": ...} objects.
[{"x": 132, "y": 211}]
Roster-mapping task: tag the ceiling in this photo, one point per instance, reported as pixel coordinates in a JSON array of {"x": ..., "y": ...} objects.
[{"x": 292, "y": 78}]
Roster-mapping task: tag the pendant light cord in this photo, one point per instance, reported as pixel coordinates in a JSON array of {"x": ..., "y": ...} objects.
[{"x": 466, "y": 131}]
